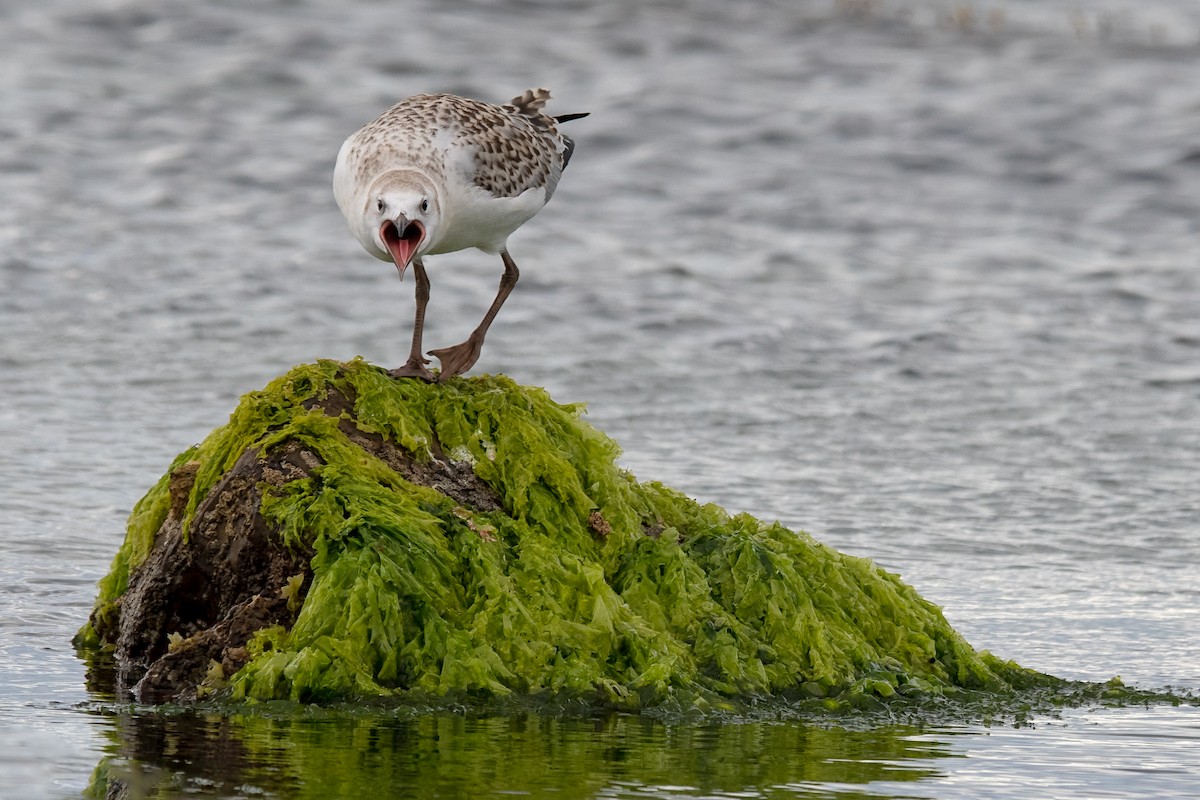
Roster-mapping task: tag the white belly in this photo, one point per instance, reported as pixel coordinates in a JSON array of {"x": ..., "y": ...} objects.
[{"x": 476, "y": 218}]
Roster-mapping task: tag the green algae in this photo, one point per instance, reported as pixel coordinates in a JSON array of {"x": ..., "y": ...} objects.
[{"x": 587, "y": 585}]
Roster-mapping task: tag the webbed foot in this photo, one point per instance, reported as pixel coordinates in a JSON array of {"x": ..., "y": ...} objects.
[
  {"x": 414, "y": 368},
  {"x": 459, "y": 358}
]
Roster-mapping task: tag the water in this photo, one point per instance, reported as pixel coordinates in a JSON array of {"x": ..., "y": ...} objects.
[{"x": 917, "y": 277}]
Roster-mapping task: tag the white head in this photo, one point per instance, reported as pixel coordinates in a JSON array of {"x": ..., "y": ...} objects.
[{"x": 402, "y": 217}]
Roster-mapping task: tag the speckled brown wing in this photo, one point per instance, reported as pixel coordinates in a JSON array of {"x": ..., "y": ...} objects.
[
  {"x": 512, "y": 148},
  {"x": 515, "y": 147}
]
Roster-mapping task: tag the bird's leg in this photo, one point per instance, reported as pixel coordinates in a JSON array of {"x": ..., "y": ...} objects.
[
  {"x": 461, "y": 357},
  {"x": 415, "y": 366}
]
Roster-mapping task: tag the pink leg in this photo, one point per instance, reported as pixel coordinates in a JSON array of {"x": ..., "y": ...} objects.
[
  {"x": 415, "y": 366},
  {"x": 461, "y": 357}
]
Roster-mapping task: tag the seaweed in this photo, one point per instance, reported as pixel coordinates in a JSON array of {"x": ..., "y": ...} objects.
[{"x": 574, "y": 582}]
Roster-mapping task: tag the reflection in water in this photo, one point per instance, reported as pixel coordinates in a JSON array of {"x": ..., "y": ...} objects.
[{"x": 333, "y": 754}]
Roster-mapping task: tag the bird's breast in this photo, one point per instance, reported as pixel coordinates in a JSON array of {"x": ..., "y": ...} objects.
[{"x": 476, "y": 218}]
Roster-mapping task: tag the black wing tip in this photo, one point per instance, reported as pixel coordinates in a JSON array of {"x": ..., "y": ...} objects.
[
  {"x": 568, "y": 142},
  {"x": 568, "y": 150}
]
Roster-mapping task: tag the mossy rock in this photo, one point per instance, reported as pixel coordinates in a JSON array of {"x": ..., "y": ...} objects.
[{"x": 350, "y": 535}]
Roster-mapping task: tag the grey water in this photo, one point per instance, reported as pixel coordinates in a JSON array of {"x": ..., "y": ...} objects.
[{"x": 917, "y": 277}]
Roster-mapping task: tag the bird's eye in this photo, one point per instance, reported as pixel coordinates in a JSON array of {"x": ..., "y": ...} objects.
[
  {"x": 379, "y": 204},
  {"x": 424, "y": 206}
]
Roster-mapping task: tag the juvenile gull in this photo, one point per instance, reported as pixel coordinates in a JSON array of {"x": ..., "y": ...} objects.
[{"x": 437, "y": 173}]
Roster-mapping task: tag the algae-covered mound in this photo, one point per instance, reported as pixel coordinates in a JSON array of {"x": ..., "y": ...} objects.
[{"x": 347, "y": 534}]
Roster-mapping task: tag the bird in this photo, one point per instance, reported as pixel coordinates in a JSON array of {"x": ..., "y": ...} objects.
[{"x": 437, "y": 173}]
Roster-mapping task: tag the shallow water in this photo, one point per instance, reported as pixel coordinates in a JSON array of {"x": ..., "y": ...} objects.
[{"x": 919, "y": 278}]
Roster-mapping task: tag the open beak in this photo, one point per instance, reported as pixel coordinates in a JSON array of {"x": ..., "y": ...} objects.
[{"x": 402, "y": 239}]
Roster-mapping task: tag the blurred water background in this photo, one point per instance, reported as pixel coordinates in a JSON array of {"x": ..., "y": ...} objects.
[{"x": 917, "y": 277}]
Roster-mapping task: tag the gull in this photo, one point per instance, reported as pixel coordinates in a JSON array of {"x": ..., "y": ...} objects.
[{"x": 437, "y": 173}]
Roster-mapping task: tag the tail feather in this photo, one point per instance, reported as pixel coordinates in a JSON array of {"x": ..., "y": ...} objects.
[{"x": 531, "y": 102}]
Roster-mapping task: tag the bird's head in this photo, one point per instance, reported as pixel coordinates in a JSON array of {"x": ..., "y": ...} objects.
[{"x": 405, "y": 214}]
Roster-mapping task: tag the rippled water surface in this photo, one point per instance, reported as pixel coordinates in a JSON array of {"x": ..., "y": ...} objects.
[{"x": 917, "y": 277}]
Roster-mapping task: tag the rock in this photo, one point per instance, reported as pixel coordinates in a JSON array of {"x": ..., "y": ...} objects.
[
  {"x": 213, "y": 591},
  {"x": 350, "y": 535}
]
